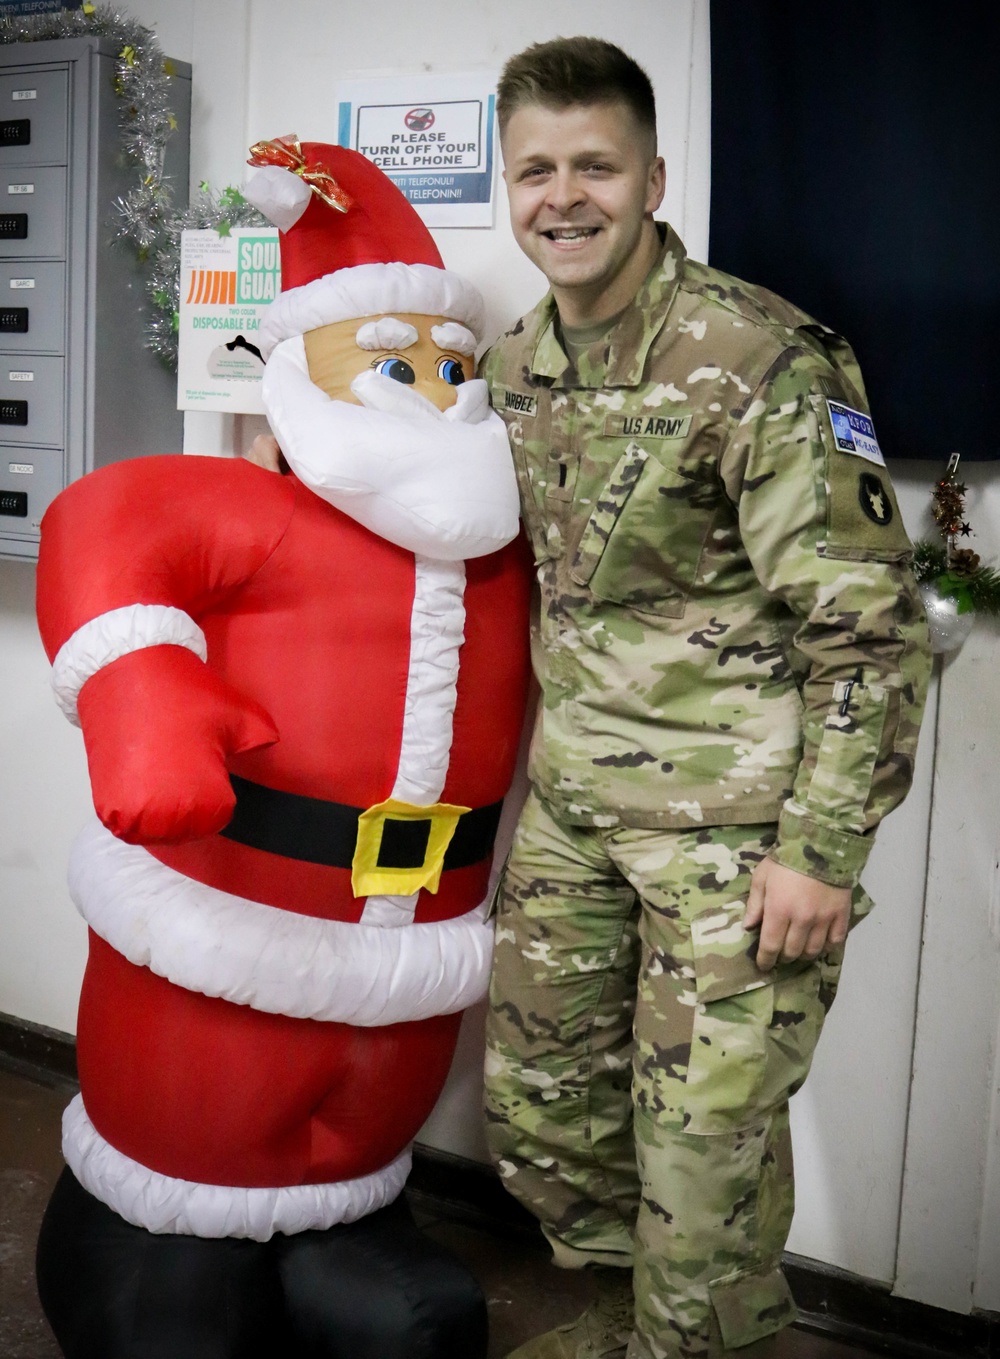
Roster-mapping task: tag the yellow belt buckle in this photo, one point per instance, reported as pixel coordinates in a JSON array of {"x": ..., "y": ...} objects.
[{"x": 370, "y": 879}]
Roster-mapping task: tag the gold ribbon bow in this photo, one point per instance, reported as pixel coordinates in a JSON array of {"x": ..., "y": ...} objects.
[{"x": 287, "y": 153}]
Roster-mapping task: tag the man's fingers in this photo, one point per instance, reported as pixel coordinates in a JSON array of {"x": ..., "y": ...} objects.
[
  {"x": 798, "y": 916},
  {"x": 797, "y": 940},
  {"x": 819, "y": 940},
  {"x": 754, "y": 912},
  {"x": 772, "y": 940}
]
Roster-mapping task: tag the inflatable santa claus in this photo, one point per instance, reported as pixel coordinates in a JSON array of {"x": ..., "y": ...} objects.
[{"x": 301, "y": 698}]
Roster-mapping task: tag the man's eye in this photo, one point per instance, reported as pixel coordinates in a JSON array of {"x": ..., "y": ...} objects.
[
  {"x": 397, "y": 369},
  {"x": 450, "y": 370}
]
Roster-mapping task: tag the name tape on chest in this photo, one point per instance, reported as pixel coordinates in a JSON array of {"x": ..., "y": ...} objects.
[
  {"x": 853, "y": 432},
  {"x": 648, "y": 426},
  {"x": 519, "y": 403}
]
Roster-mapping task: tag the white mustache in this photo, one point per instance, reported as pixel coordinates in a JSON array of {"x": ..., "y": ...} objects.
[
  {"x": 438, "y": 483},
  {"x": 376, "y": 392}
]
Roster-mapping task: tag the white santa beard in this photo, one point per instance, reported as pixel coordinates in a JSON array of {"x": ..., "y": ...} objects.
[{"x": 437, "y": 483}]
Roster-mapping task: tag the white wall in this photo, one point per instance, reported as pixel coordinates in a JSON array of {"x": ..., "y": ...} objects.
[{"x": 887, "y": 1183}]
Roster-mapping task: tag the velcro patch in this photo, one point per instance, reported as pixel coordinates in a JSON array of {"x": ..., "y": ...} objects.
[
  {"x": 648, "y": 426},
  {"x": 874, "y": 500},
  {"x": 520, "y": 403},
  {"x": 853, "y": 432}
]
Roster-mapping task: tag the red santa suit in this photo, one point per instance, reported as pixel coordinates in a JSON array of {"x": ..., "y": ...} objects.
[{"x": 301, "y": 707}]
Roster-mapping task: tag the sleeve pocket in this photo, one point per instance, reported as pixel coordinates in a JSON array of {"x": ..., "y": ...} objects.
[{"x": 852, "y": 734}]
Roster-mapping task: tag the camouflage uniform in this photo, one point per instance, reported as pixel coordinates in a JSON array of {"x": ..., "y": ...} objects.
[{"x": 733, "y": 661}]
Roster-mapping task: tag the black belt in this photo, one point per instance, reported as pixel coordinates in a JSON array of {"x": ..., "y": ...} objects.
[{"x": 319, "y": 832}]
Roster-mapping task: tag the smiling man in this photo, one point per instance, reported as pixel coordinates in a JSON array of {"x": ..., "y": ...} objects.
[{"x": 733, "y": 662}]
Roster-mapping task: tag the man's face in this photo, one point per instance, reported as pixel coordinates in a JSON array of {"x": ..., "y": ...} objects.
[
  {"x": 582, "y": 182},
  {"x": 405, "y": 347}
]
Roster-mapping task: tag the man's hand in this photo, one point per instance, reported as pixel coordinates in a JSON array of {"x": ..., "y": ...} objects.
[
  {"x": 264, "y": 452},
  {"x": 799, "y": 917}
]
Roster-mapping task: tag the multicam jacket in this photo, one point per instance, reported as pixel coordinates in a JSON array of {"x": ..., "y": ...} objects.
[{"x": 729, "y": 630}]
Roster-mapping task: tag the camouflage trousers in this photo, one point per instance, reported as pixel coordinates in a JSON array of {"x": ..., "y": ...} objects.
[{"x": 639, "y": 1066}]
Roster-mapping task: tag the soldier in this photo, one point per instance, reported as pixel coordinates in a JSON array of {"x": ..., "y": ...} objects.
[{"x": 733, "y": 662}]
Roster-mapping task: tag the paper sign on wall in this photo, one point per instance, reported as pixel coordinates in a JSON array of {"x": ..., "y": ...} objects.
[
  {"x": 226, "y": 283},
  {"x": 432, "y": 135}
]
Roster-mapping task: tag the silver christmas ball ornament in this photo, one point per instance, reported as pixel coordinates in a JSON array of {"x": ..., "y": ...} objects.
[{"x": 948, "y": 627}]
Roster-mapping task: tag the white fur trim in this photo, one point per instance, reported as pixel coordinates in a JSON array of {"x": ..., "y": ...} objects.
[
  {"x": 390, "y": 912},
  {"x": 453, "y": 336},
  {"x": 163, "y": 1204},
  {"x": 370, "y": 290},
  {"x": 280, "y": 195},
  {"x": 114, "y": 634},
  {"x": 388, "y": 332},
  {"x": 275, "y": 961},
  {"x": 437, "y": 631}
]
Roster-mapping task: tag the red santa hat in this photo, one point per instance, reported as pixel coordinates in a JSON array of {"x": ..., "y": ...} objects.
[{"x": 351, "y": 244}]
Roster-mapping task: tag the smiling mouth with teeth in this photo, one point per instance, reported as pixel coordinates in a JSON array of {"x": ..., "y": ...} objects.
[{"x": 570, "y": 233}]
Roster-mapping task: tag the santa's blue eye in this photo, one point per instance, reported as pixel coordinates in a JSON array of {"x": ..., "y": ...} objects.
[
  {"x": 450, "y": 371},
  {"x": 397, "y": 369}
]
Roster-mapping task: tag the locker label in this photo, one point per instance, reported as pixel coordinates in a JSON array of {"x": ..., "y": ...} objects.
[
  {"x": 21, "y": 376},
  {"x": 20, "y": 188},
  {"x": 22, "y": 283},
  {"x": 21, "y": 469},
  {"x": 19, "y": 95}
]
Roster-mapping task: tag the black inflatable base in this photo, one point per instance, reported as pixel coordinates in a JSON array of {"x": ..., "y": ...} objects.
[{"x": 373, "y": 1289}]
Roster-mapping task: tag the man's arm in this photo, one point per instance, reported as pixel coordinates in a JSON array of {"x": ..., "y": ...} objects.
[{"x": 824, "y": 534}]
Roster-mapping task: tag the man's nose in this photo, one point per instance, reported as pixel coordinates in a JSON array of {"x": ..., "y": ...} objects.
[{"x": 566, "y": 191}]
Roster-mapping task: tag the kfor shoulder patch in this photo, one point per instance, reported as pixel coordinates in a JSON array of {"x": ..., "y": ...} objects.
[{"x": 853, "y": 432}]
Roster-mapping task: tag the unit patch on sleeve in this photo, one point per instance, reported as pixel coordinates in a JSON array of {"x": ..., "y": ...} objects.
[
  {"x": 874, "y": 499},
  {"x": 853, "y": 432}
]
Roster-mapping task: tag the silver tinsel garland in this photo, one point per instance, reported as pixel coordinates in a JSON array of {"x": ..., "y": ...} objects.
[
  {"x": 216, "y": 211},
  {"x": 144, "y": 218}
]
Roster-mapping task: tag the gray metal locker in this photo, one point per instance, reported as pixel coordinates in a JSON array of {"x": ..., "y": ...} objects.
[{"x": 78, "y": 388}]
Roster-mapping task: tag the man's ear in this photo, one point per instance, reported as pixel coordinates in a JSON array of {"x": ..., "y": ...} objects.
[{"x": 657, "y": 184}]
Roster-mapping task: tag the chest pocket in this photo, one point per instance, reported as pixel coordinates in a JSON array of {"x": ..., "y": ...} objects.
[{"x": 642, "y": 545}]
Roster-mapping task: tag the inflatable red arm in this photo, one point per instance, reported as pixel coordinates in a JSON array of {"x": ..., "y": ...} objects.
[{"x": 131, "y": 557}]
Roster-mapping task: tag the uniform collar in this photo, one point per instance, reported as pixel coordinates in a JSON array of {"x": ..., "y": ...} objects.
[{"x": 630, "y": 341}]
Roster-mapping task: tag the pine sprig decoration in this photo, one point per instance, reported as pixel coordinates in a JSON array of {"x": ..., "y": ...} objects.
[{"x": 955, "y": 572}]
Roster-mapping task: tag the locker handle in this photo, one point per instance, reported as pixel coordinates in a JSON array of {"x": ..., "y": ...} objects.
[
  {"x": 13, "y": 412},
  {"x": 15, "y": 132},
  {"x": 13, "y": 226}
]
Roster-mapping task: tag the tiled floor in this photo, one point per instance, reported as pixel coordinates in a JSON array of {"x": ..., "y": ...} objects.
[{"x": 526, "y": 1294}]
